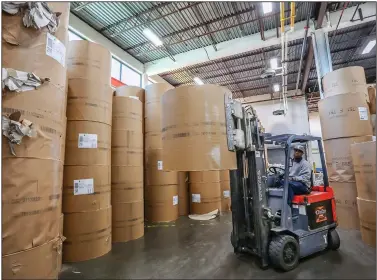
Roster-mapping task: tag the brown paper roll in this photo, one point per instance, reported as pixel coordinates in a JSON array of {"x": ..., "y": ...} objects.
[
  {"x": 31, "y": 203},
  {"x": 205, "y": 197},
  {"x": 364, "y": 161},
  {"x": 367, "y": 214},
  {"x": 344, "y": 115},
  {"x": 131, "y": 91},
  {"x": 345, "y": 80},
  {"x": 161, "y": 203},
  {"x": 88, "y": 235},
  {"x": 89, "y": 61},
  {"x": 346, "y": 205},
  {"x": 194, "y": 133},
  {"x": 339, "y": 159},
  {"x": 25, "y": 264}
]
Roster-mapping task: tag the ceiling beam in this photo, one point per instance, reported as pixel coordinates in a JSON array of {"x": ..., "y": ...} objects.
[{"x": 310, "y": 53}]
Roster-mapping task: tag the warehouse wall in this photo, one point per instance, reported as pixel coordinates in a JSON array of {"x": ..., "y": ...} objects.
[{"x": 295, "y": 121}]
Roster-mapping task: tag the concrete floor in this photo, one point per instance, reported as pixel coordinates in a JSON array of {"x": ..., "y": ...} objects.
[{"x": 193, "y": 249}]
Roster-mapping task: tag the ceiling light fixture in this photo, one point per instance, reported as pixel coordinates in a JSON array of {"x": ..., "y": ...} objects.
[
  {"x": 267, "y": 7},
  {"x": 369, "y": 47},
  {"x": 151, "y": 36},
  {"x": 274, "y": 63},
  {"x": 198, "y": 81},
  {"x": 276, "y": 87}
]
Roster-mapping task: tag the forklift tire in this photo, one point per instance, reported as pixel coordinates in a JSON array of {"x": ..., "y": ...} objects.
[
  {"x": 333, "y": 240},
  {"x": 284, "y": 252}
]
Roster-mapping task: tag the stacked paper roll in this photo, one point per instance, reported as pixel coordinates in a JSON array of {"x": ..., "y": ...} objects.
[
  {"x": 161, "y": 187},
  {"x": 364, "y": 161},
  {"x": 87, "y": 170},
  {"x": 205, "y": 191},
  {"x": 127, "y": 180},
  {"x": 32, "y": 178},
  {"x": 345, "y": 120},
  {"x": 183, "y": 194},
  {"x": 225, "y": 190}
]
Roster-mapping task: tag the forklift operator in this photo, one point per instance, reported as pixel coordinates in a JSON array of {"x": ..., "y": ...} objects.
[{"x": 299, "y": 175}]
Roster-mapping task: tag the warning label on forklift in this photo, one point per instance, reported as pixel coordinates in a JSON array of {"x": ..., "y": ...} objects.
[
  {"x": 226, "y": 194},
  {"x": 175, "y": 199},
  {"x": 195, "y": 197},
  {"x": 363, "y": 113}
]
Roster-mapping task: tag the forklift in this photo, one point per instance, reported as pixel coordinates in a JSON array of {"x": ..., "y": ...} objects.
[{"x": 263, "y": 224}]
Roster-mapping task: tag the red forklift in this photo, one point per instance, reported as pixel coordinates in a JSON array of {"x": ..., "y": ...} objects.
[{"x": 263, "y": 223}]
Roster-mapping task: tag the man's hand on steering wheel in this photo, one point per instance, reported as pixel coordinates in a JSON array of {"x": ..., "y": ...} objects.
[{"x": 277, "y": 170}]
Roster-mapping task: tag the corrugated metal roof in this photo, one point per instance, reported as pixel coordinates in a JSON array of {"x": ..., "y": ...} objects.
[
  {"x": 242, "y": 72},
  {"x": 183, "y": 26}
]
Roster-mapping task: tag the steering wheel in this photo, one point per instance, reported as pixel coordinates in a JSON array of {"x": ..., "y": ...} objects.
[{"x": 277, "y": 170}]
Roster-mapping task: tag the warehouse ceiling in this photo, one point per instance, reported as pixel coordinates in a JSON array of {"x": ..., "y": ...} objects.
[{"x": 186, "y": 26}]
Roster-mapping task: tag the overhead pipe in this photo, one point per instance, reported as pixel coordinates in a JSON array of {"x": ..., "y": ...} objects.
[
  {"x": 282, "y": 31},
  {"x": 303, "y": 48}
]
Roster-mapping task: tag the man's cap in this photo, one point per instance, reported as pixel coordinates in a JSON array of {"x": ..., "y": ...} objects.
[{"x": 300, "y": 148}]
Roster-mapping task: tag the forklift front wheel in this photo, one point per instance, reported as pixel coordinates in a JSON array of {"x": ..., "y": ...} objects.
[
  {"x": 333, "y": 240},
  {"x": 284, "y": 252}
]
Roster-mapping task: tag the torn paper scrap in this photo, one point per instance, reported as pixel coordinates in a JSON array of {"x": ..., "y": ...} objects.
[
  {"x": 205, "y": 217},
  {"x": 15, "y": 130},
  {"x": 39, "y": 15},
  {"x": 12, "y": 7},
  {"x": 19, "y": 81},
  {"x": 35, "y": 14}
]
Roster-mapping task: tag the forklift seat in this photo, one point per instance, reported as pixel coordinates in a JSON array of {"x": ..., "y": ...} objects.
[{"x": 317, "y": 194}]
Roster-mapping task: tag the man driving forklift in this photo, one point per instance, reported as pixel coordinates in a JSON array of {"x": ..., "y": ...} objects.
[{"x": 299, "y": 176}]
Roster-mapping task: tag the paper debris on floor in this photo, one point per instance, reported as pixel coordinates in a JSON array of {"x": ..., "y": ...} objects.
[
  {"x": 20, "y": 81},
  {"x": 205, "y": 217}
]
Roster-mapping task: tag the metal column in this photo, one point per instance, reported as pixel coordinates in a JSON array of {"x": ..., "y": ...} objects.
[{"x": 322, "y": 55}]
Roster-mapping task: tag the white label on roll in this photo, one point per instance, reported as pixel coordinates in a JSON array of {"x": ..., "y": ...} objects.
[
  {"x": 175, "y": 200},
  {"x": 87, "y": 141},
  {"x": 83, "y": 186},
  {"x": 363, "y": 113},
  {"x": 159, "y": 165},
  {"x": 195, "y": 197},
  {"x": 226, "y": 194},
  {"x": 55, "y": 49}
]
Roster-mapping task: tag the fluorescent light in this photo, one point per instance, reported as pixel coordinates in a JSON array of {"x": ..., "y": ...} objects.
[
  {"x": 152, "y": 37},
  {"x": 276, "y": 87},
  {"x": 267, "y": 7},
  {"x": 274, "y": 63},
  {"x": 369, "y": 47},
  {"x": 198, "y": 81}
]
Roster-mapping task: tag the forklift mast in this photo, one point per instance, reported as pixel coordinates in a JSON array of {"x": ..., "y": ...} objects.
[{"x": 248, "y": 182}]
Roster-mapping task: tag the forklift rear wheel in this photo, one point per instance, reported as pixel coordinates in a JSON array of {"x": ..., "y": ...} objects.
[
  {"x": 333, "y": 240},
  {"x": 284, "y": 252}
]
